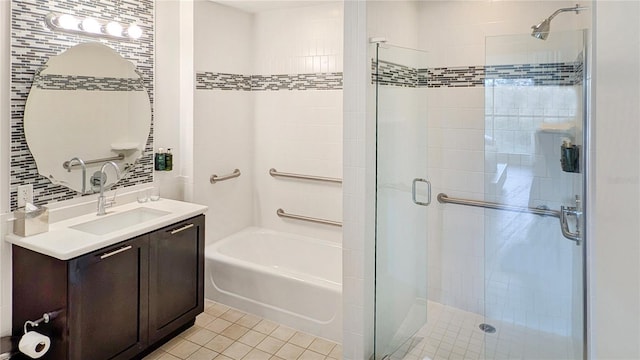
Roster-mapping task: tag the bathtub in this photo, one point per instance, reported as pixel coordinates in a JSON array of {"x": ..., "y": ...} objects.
[{"x": 290, "y": 279}]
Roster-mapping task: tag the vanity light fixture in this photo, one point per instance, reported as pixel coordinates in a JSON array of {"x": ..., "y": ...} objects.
[{"x": 92, "y": 27}]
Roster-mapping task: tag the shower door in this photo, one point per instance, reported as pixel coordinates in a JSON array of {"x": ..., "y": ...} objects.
[
  {"x": 402, "y": 196},
  {"x": 534, "y": 158}
]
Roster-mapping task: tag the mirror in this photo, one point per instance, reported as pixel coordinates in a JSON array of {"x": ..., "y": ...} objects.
[{"x": 90, "y": 103}]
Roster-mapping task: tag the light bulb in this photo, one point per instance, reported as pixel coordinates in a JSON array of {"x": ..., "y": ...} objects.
[
  {"x": 68, "y": 22},
  {"x": 114, "y": 29},
  {"x": 134, "y": 31},
  {"x": 91, "y": 25}
]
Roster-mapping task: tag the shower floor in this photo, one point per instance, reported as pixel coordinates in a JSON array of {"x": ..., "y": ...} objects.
[{"x": 454, "y": 334}]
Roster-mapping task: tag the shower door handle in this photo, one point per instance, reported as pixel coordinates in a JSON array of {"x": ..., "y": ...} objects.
[
  {"x": 413, "y": 192},
  {"x": 565, "y": 212}
]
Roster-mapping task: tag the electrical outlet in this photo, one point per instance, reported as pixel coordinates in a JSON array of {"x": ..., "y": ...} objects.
[{"x": 25, "y": 195}]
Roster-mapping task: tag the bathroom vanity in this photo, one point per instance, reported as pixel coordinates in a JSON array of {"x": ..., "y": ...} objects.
[{"x": 119, "y": 300}]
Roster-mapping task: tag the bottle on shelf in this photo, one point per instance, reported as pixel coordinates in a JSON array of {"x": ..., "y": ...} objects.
[
  {"x": 160, "y": 160},
  {"x": 168, "y": 160}
]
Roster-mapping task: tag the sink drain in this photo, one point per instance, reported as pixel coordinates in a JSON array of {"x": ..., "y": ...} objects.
[{"x": 487, "y": 328}]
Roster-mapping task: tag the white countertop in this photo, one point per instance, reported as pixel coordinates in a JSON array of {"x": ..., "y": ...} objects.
[{"x": 64, "y": 243}]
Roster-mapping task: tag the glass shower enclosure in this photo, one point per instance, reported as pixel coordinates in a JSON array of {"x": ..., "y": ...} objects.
[
  {"x": 403, "y": 193},
  {"x": 488, "y": 262}
]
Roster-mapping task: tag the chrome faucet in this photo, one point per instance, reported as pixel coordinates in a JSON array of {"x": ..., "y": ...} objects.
[
  {"x": 102, "y": 202},
  {"x": 84, "y": 171}
]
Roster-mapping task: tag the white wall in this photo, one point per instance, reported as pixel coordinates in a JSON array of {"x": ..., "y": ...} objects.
[
  {"x": 223, "y": 119},
  {"x": 298, "y": 131},
  {"x": 299, "y": 40},
  {"x": 358, "y": 187},
  {"x": 167, "y": 102},
  {"x": 292, "y": 130},
  {"x": 615, "y": 209}
]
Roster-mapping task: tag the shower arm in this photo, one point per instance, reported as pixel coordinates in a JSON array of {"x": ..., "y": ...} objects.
[{"x": 576, "y": 8}]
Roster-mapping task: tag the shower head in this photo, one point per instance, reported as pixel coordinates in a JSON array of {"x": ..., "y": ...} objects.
[{"x": 541, "y": 31}]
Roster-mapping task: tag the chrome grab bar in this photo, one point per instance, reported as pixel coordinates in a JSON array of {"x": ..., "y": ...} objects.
[
  {"x": 282, "y": 213},
  {"x": 444, "y": 199},
  {"x": 561, "y": 215},
  {"x": 273, "y": 172},
  {"x": 95, "y": 161},
  {"x": 215, "y": 178}
]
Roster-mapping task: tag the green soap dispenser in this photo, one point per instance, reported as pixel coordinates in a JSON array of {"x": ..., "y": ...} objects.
[
  {"x": 168, "y": 160},
  {"x": 160, "y": 160}
]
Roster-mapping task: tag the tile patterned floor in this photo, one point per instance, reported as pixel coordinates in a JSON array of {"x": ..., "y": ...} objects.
[
  {"x": 225, "y": 333},
  {"x": 453, "y": 334}
]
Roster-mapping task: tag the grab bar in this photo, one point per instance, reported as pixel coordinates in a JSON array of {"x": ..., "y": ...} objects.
[
  {"x": 120, "y": 156},
  {"x": 274, "y": 172},
  {"x": 282, "y": 213},
  {"x": 561, "y": 215},
  {"x": 444, "y": 199},
  {"x": 215, "y": 178}
]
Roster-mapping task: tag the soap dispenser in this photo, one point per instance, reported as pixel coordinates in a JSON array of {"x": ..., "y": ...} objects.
[
  {"x": 569, "y": 156},
  {"x": 160, "y": 163}
]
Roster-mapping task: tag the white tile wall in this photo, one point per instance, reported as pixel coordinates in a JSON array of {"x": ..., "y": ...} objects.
[
  {"x": 223, "y": 120},
  {"x": 299, "y": 132},
  {"x": 293, "y": 131},
  {"x": 358, "y": 186},
  {"x": 223, "y": 39},
  {"x": 224, "y": 141},
  {"x": 299, "y": 40}
]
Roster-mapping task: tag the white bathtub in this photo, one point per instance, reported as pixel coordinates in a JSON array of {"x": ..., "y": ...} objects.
[{"x": 291, "y": 279}]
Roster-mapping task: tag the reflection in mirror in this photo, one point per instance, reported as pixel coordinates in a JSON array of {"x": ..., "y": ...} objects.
[{"x": 86, "y": 106}]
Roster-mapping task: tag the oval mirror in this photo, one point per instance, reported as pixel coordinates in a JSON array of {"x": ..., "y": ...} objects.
[{"x": 88, "y": 103}]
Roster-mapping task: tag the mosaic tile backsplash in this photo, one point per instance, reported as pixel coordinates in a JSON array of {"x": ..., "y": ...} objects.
[
  {"x": 558, "y": 74},
  {"x": 87, "y": 83},
  {"x": 32, "y": 43},
  {"x": 314, "y": 81}
]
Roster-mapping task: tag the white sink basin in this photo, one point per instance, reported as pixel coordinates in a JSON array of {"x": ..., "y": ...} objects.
[{"x": 119, "y": 221}]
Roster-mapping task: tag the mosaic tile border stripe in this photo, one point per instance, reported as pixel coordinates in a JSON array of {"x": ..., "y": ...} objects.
[
  {"x": 311, "y": 81},
  {"x": 222, "y": 81},
  {"x": 392, "y": 74},
  {"x": 32, "y": 44},
  {"x": 88, "y": 83},
  {"x": 548, "y": 74}
]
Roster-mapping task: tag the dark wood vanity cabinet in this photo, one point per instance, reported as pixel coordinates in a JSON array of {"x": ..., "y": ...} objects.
[
  {"x": 176, "y": 271},
  {"x": 115, "y": 302},
  {"x": 108, "y": 301}
]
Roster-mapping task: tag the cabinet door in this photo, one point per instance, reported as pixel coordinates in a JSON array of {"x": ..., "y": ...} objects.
[
  {"x": 176, "y": 276},
  {"x": 108, "y": 299}
]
